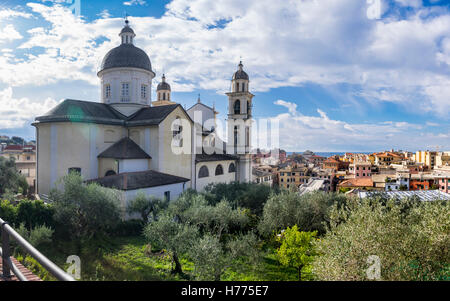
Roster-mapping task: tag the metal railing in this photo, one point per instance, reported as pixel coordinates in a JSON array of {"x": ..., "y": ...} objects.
[{"x": 8, "y": 265}]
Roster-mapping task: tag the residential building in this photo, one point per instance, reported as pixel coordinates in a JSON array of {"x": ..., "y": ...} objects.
[
  {"x": 426, "y": 157},
  {"x": 25, "y": 160},
  {"x": 293, "y": 176},
  {"x": 361, "y": 169}
]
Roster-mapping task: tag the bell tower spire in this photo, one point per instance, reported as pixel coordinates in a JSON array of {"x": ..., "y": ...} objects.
[{"x": 240, "y": 122}]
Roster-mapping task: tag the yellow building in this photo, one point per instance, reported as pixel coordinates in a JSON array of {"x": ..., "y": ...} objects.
[
  {"x": 25, "y": 159},
  {"x": 294, "y": 176},
  {"x": 426, "y": 157}
]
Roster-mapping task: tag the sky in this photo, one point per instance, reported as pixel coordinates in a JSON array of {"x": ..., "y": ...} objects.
[{"x": 347, "y": 75}]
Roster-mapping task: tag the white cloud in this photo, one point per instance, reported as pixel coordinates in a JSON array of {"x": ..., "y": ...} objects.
[
  {"x": 134, "y": 2},
  {"x": 104, "y": 14},
  {"x": 16, "y": 113},
  {"x": 283, "y": 43},
  {"x": 9, "y": 33},
  {"x": 301, "y": 132}
]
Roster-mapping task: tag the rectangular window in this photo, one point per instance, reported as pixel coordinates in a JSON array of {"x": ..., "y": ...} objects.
[
  {"x": 75, "y": 169},
  {"x": 125, "y": 92},
  {"x": 167, "y": 195},
  {"x": 107, "y": 91},
  {"x": 144, "y": 91}
]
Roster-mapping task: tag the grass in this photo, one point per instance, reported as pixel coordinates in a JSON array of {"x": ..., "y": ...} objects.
[{"x": 126, "y": 259}]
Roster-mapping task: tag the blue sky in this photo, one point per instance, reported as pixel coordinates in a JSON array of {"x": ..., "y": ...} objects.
[{"x": 349, "y": 75}]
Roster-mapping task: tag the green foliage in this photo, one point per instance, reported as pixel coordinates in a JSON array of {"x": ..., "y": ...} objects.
[
  {"x": 344, "y": 189},
  {"x": 145, "y": 205},
  {"x": 84, "y": 210},
  {"x": 297, "y": 249},
  {"x": 35, "y": 267},
  {"x": 309, "y": 211},
  {"x": 8, "y": 212},
  {"x": 245, "y": 195},
  {"x": 411, "y": 239},
  {"x": 10, "y": 178},
  {"x": 131, "y": 227},
  {"x": 31, "y": 213},
  {"x": 34, "y": 213},
  {"x": 36, "y": 236},
  {"x": 212, "y": 258},
  {"x": 166, "y": 233},
  {"x": 194, "y": 209}
]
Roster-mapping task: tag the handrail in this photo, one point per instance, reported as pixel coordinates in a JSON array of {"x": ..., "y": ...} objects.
[{"x": 8, "y": 265}]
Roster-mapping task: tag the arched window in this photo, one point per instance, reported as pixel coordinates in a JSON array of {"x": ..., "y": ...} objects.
[
  {"x": 219, "y": 170},
  {"x": 243, "y": 87},
  {"x": 237, "y": 87},
  {"x": 232, "y": 168},
  {"x": 237, "y": 107},
  {"x": 110, "y": 173},
  {"x": 203, "y": 172}
]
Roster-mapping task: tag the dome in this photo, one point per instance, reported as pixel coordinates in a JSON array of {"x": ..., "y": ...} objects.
[
  {"x": 127, "y": 56},
  {"x": 127, "y": 29},
  {"x": 163, "y": 86},
  {"x": 240, "y": 74}
]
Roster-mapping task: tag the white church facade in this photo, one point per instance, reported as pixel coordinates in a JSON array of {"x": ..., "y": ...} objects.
[{"x": 131, "y": 143}]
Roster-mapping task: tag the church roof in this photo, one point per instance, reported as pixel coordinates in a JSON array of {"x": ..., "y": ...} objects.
[
  {"x": 83, "y": 111},
  {"x": 126, "y": 56},
  {"x": 124, "y": 149},
  {"x": 151, "y": 115},
  {"x": 214, "y": 157},
  {"x": 93, "y": 112},
  {"x": 139, "y": 180}
]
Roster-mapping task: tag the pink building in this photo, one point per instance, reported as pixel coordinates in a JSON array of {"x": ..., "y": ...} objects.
[
  {"x": 361, "y": 170},
  {"x": 444, "y": 183}
]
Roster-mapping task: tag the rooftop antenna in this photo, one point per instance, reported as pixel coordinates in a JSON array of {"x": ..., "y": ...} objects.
[{"x": 198, "y": 100}]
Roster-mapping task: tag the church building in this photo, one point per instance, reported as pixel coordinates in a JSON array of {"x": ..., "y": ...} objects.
[{"x": 131, "y": 143}]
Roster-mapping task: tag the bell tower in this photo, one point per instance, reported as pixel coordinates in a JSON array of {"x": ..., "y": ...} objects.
[{"x": 240, "y": 123}]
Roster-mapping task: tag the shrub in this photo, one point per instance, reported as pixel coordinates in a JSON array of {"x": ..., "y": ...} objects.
[
  {"x": 36, "y": 236},
  {"x": 84, "y": 210},
  {"x": 132, "y": 227},
  {"x": 8, "y": 212},
  {"x": 35, "y": 213}
]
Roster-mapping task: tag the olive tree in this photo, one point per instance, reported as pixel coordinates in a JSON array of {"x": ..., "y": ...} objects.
[
  {"x": 410, "y": 240},
  {"x": 175, "y": 237},
  {"x": 10, "y": 179},
  {"x": 145, "y": 205},
  {"x": 83, "y": 210},
  {"x": 309, "y": 211},
  {"x": 212, "y": 258}
]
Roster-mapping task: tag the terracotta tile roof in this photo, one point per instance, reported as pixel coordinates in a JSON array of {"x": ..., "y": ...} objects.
[
  {"x": 365, "y": 182},
  {"x": 26, "y": 272},
  {"x": 19, "y": 147}
]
